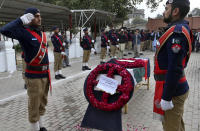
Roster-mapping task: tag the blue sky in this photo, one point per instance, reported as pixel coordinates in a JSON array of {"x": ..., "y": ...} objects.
[{"x": 160, "y": 9}]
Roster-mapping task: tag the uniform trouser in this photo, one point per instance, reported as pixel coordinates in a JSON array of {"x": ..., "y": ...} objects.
[
  {"x": 173, "y": 119},
  {"x": 121, "y": 50},
  {"x": 150, "y": 45},
  {"x": 37, "y": 90},
  {"x": 23, "y": 70},
  {"x": 129, "y": 45},
  {"x": 113, "y": 49},
  {"x": 145, "y": 44},
  {"x": 86, "y": 56},
  {"x": 142, "y": 46},
  {"x": 66, "y": 58},
  {"x": 65, "y": 61},
  {"x": 136, "y": 50},
  {"x": 103, "y": 53},
  {"x": 57, "y": 61}
]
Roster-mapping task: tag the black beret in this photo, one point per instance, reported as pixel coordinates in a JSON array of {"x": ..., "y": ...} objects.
[
  {"x": 185, "y": 2},
  {"x": 54, "y": 28},
  {"x": 32, "y": 11},
  {"x": 86, "y": 29},
  {"x": 102, "y": 30}
]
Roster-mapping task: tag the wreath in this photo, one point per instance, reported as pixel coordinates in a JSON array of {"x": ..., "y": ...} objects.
[
  {"x": 103, "y": 100},
  {"x": 129, "y": 62}
]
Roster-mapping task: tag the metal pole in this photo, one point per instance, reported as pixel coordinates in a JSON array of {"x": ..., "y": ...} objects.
[
  {"x": 95, "y": 28},
  {"x": 70, "y": 26}
]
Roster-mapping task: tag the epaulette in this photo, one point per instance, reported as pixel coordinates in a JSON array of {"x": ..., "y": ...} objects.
[{"x": 178, "y": 28}]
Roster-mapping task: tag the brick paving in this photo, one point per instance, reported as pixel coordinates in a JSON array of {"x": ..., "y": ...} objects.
[{"x": 67, "y": 105}]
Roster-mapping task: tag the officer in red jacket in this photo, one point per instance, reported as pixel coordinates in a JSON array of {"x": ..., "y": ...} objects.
[
  {"x": 171, "y": 58},
  {"x": 87, "y": 44},
  {"x": 59, "y": 51},
  {"x": 34, "y": 45}
]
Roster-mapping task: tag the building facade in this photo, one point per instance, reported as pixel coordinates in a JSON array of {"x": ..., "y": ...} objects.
[{"x": 155, "y": 24}]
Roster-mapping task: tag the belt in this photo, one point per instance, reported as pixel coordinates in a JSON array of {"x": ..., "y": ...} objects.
[
  {"x": 162, "y": 77},
  {"x": 37, "y": 68}
]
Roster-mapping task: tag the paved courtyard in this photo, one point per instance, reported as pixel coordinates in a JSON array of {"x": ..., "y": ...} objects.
[{"x": 67, "y": 105}]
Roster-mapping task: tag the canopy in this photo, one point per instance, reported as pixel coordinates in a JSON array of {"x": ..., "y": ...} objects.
[{"x": 51, "y": 14}]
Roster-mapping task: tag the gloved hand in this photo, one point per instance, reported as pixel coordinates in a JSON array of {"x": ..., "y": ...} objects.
[
  {"x": 93, "y": 50},
  {"x": 92, "y": 41},
  {"x": 27, "y": 18},
  {"x": 64, "y": 44},
  {"x": 117, "y": 39},
  {"x": 166, "y": 105},
  {"x": 63, "y": 53},
  {"x": 108, "y": 41},
  {"x": 117, "y": 46},
  {"x": 108, "y": 47}
]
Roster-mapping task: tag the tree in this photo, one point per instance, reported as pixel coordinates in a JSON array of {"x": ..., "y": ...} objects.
[
  {"x": 159, "y": 16},
  {"x": 137, "y": 21},
  {"x": 120, "y": 7},
  {"x": 195, "y": 12}
]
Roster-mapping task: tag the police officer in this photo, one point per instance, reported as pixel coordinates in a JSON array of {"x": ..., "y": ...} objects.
[
  {"x": 87, "y": 44},
  {"x": 59, "y": 52},
  {"x": 130, "y": 41},
  {"x": 66, "y": 45},
  {"x": 34, "y": 45},
  {"x": 122, "y": 43},
  {"x": 114, "y": 42},
  {"x": 104, "y": 44},
  {"x": 172, "y": 55}
]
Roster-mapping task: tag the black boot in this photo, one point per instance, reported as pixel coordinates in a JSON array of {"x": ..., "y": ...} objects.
[
  {"x": 43, "y": 129},
  {"x": 57, "y": 77},
  {"x": 83, "y": 68},
  {"x": 102, "y": 62},
  {"x": 61, "y": 76},
  {"x": 87, "y": 68}
]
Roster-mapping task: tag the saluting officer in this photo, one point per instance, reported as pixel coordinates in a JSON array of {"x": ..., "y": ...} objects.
[
  {"x": 87, "y": 44},
  {"x": 104, "y": 44},
  {"x": 59, "y": 51},
  {"x": 171, "y": 58},
  {"x": 34, "y": 45}
]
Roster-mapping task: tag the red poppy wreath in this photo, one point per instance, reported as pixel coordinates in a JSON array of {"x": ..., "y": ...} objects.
[
  {"x": 103, "y": 100},
  {"x": 130, "y": 62}
]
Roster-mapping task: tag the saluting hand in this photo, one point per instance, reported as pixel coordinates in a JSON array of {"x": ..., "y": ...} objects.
[{"x": 27, "y": 18}]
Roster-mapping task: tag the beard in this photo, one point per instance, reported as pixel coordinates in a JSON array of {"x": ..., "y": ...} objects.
[{"x": 168, "y": 20}]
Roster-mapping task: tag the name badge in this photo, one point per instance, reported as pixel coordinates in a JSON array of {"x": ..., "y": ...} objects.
[{"x": 34, "y": 39}]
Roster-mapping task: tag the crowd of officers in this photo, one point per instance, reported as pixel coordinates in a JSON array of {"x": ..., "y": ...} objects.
[{"x": 114, "y": 42}]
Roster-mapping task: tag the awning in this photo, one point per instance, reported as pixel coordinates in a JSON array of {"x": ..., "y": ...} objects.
[{"x": 51, "y": 14}]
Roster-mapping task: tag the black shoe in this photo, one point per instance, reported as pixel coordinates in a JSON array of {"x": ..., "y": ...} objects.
[
  {"x": 57, "y": 77},
  {"x": 102, "y": 62},
  {"x": 125, "y": 54},
  {"x": 61, "y": 76},
  {"x": 43, "y": 129},
  {"x": 25, "y": 86},
  {"x": 87, "y": 68},
  {"x": 130, "y": 53},
  {"x": 83, "y": 68},
  {"x": 68, "y": 65}
]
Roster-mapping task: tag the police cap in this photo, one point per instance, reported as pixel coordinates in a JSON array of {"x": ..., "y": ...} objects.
[
  {"x": 86, "y": 29},
  {"x": 32, "y": 11},
  {"x": 185, "y": 2},
  {"x": 54, "y": 28}
]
